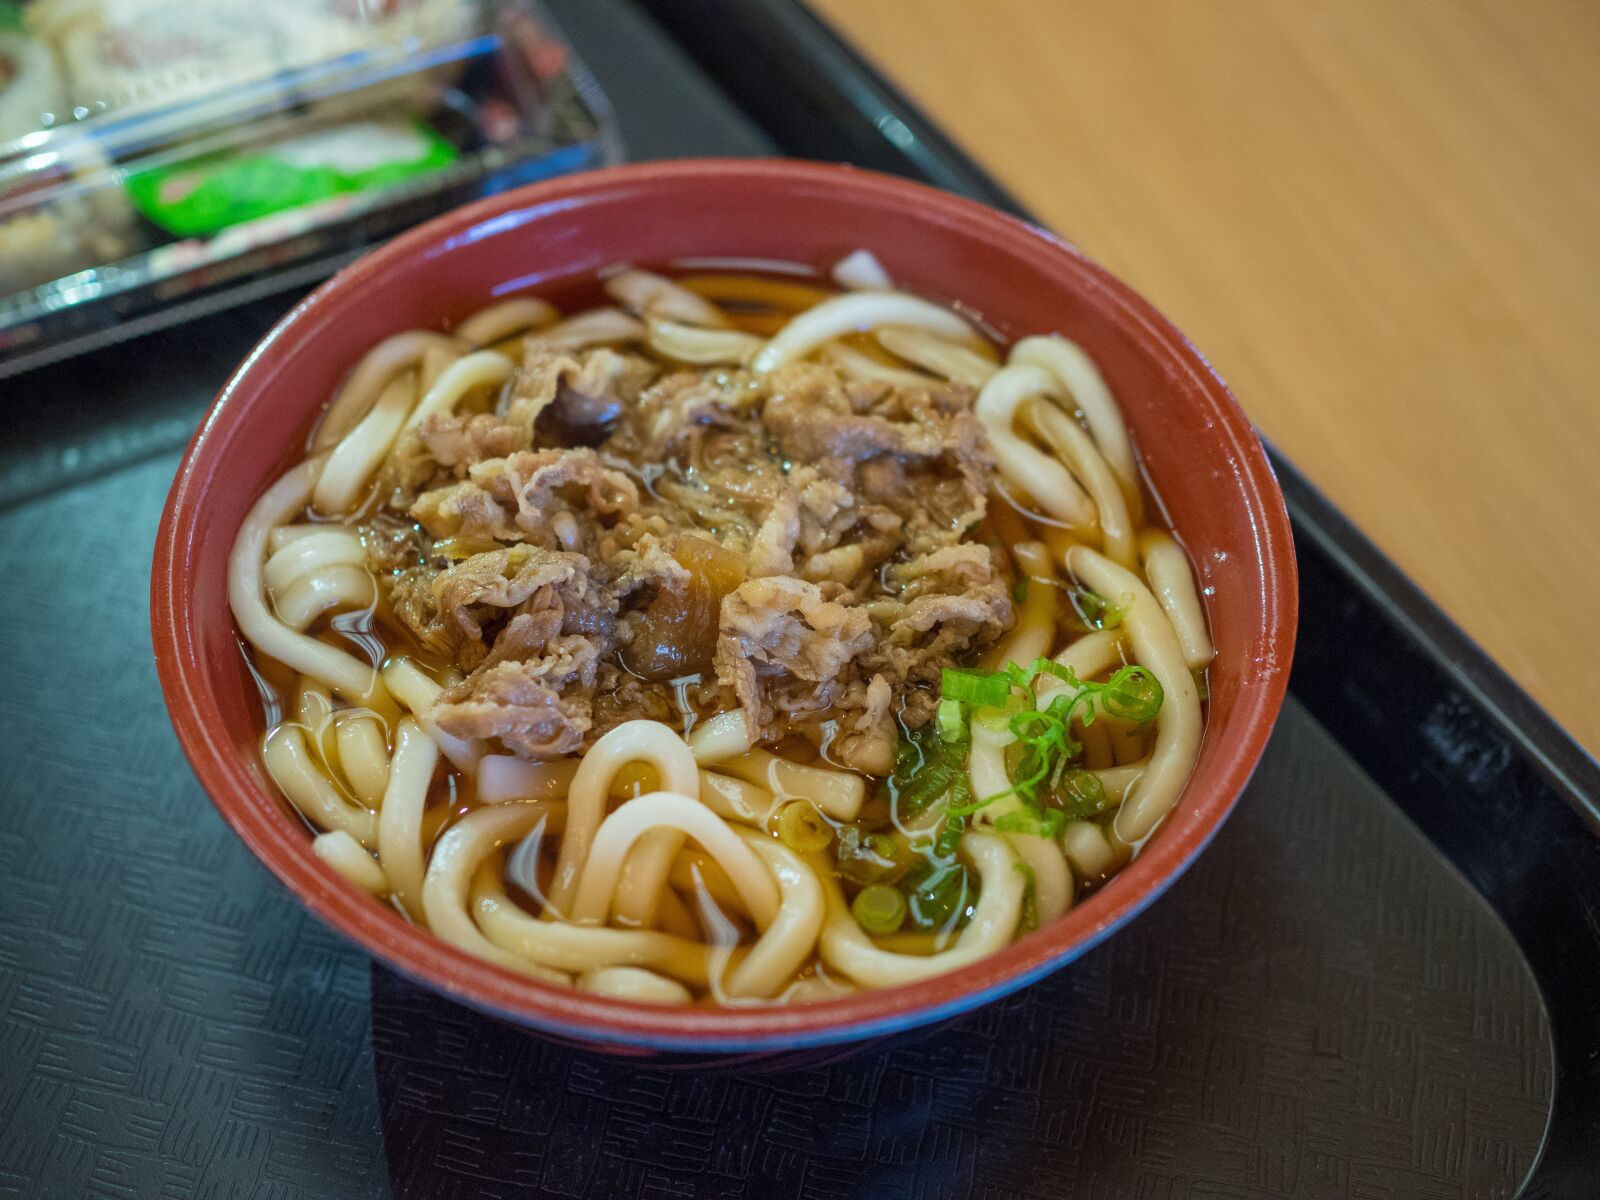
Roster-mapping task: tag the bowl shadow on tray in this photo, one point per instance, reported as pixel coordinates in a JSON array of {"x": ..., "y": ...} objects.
[
  {"x": 1320, "y": 1007},
  {"x": 467, "y": 1101}
]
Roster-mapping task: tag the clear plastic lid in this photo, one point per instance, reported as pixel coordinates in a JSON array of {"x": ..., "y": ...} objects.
[
  {"x": 129, "y": 56},
  {"x": 155, "y": 149}
]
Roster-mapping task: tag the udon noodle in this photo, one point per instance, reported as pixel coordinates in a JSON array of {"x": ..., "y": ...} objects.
[{"x": 743, "y": 638}]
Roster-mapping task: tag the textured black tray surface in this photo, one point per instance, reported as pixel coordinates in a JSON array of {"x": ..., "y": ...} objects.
[{"x": 1321, "y": 1007}]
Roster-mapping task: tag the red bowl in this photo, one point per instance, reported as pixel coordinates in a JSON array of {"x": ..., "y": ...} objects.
[{"x": 1199, "y": 449}]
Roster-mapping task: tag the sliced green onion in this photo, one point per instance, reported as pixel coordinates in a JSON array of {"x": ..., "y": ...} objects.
[
  {"x": 801, "y": 827},
  {"x": 1048, "y": 824},
  {"x": 1133, "y": 694},
  {"x": 971, "y": 806},
  {"x": 985, "y": 688},
  {"x": 1077, "y": 705},
  {"x": 938, "y": 896},
  {"x": 949, "y": 839},
  {"x": 1049, "y": 666},
  {"x": 1044, "y": 734},
  {"x": 871, "y": 858},
  {"x": 928, "y": 767},
  {"x": 884, "y": 846},
  {"x": 1019, "y": 593},
  {"x": 960, "y": 790},
  {"x": 1081, "y": 794},
  {"x": 952, "y": 720},
  {"x": 879, "y": 909},
  {"x": 933, "y": 781},
  {"x": 995, "y": 720},
  {"x": 1095, "y": 610}
]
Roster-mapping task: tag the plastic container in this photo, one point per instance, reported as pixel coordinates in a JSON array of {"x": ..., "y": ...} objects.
[{"x": 158, "y": 157}]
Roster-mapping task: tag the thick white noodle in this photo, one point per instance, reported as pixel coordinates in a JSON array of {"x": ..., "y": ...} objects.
[
  {"x": 1077, "y": 449},
  {"x": 284, "y": 534},
  {"x": 1076, "y": 372},
  {"x": 350, "y": 858},
  {"x": 1166, "y": 566},
  {"x": 637, "y": 903},
  {"x": 390, "y": 357},
  {"x": 791, "y": 937},
  {"x": 521, "y": 865},
  {"x": 481, "y": 368},
  {"x": 737, "y": 799},
  {"x": 1155, "y": 647},
  {"x": 633, "y": 983},
  {"x": 346, "y": 675},
  {"x": 363, "y": 756},
  {"x": 1041, "y": 476},
  {"x": 341, "y": 587},
  {"x": 856, "y": 364},
  {"x": 361, "y": 451},
  {"x": 986, "y": 765},
  {"x": 433, "y": 364},
  {"x": 860, "y": 271},
  {"x": 504, "y": 778},
  {"x": 400, "y": 850},
  {"x": 845, "y": 948},
  {"x": 852, "y": 313},
  {"x": 815, "y": 987},
  {"x": 986, "y": 768},
  {"x": 456, "y": 857},
  {"x": 1118, "y": 781},
  {"x": 325, "y": 547},
  {"x": 1126, "y": 739},
  {"x": 695, "y": 872},
  {"x": 648, "y": 742},
  {"x": 619, "y": 832},
  {"x": 496, "y": 323},
  {"x": 313, "y": 711},
  {"x": 1052, "y": 878},
  {"x": 648, "y": 295},
  {"x": 673, "y": 916},
  {"x": 840, "y": 794},
  {"x": 591, "y": 328},
  {"x": 581, "y": 947},
  {"x": 1091, "y": 655},
  {"x": 701, "y": 346},
  {"x": 1087, "y": 849},
  {"x": 410, "y": 685},
  {"x": 299, "y": 778},
  {"x": 720, "y": 737},
  {"x": 946, "y": 359},
  {"x": 913, "y": 941}
]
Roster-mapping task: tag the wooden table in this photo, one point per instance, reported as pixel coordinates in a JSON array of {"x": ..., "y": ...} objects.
[{"x": 1379, "y": 218}]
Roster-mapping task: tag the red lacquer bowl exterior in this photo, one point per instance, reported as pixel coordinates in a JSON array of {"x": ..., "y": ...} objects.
[{"x": 1199, "y": 449}]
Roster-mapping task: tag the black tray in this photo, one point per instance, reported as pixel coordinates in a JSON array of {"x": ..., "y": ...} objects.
[{"x": 1377, "y": 982}]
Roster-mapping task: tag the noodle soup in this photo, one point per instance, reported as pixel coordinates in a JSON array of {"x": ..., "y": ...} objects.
[{"x": 747, "y": 638}]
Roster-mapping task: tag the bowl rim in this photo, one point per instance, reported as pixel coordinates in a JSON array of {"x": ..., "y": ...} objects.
[{"x": 620, "y": 1024}]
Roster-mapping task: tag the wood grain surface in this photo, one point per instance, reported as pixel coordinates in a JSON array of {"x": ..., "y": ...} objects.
[{"x": 1379, "y": 218}]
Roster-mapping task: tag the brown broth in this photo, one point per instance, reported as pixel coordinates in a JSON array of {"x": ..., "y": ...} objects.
[{"x": 755, "y": 301}]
